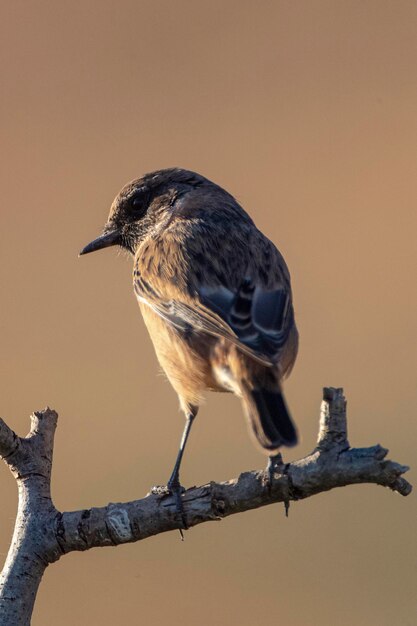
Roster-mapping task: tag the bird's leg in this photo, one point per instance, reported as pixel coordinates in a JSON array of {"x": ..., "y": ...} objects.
[
  {"x": 174, "y": 481},
  {"x": 174, "y": 486}
]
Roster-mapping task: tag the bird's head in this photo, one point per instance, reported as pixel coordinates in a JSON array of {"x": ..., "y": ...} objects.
[{"x": 143, "y": 205}]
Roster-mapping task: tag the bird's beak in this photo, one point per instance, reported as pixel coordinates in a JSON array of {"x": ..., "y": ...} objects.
[{"x": 105, "y": 240}]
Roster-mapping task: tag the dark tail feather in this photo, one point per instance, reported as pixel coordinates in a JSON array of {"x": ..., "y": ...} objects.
[{"x": 270, "y": 419}]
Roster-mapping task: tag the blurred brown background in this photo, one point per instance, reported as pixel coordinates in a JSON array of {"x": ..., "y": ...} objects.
[{"x": 306, "y": 111}]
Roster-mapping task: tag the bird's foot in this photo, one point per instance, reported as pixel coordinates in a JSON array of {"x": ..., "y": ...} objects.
[
  {"x": 276, "y": 464},
  {"x": 175, "y": 489}
]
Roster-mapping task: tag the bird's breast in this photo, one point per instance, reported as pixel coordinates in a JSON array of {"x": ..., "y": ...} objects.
[{"x": 184, "y": 355}]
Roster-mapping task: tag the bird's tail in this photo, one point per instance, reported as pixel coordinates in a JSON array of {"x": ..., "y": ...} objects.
[{"x": 269, "y": 418}]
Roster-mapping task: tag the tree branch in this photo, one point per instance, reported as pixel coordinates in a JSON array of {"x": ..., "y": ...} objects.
[
  {"x": 30, "y": 461},
  {"x": 43, "y": 534}
]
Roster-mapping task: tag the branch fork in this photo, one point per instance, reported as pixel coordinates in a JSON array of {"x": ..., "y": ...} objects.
[{"x": 43, "y": 534}]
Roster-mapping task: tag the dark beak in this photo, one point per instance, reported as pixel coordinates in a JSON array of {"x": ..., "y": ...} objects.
[{"x": 105, "y": 240}]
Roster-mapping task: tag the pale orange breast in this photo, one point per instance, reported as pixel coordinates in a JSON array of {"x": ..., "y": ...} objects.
[{"x": 184, "y": 359}]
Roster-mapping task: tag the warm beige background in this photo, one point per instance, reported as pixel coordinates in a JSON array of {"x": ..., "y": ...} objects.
[{"x": 306, "y": 111}]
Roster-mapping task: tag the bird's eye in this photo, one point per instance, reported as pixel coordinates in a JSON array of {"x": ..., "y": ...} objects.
[{"x": 138, "y": 204}]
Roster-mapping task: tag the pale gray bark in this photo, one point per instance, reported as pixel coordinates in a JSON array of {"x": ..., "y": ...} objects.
[
  {"x": 31, "y": 550},
  {"x": 42, "y": 534}
]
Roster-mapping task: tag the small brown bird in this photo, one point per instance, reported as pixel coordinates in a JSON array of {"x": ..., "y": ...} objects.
[{"x": 215, "y": 295}]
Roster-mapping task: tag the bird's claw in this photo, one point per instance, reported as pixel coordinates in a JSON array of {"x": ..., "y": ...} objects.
[
  {"x": 176, "y": 490},
  {"x": 274, "y": 462}
]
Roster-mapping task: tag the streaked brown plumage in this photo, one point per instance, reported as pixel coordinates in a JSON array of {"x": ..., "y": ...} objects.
[{"x": 215, "y": 296}]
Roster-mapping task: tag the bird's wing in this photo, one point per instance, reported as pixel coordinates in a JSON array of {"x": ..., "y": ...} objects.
[
  {"x": 193, "y": 314},
  {"x": 257, "y": 318}
]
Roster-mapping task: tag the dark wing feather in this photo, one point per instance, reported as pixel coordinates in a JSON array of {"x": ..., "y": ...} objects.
[{"x": 262, "y": 320}]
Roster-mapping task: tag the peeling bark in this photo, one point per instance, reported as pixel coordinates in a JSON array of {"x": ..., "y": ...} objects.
[{"x": 42, "y": 534}]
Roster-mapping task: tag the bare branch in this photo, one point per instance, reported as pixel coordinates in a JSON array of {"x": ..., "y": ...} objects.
[
  {"x": 43, "y": 534},
  {"x": 30, "y": 461}
]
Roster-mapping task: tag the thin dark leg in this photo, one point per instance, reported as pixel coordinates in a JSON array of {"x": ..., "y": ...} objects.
[
  {"x": 174, "y": 486},
  {"x": 174, "y": 481}
]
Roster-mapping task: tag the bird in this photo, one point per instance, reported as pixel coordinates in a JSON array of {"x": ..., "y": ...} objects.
[{"x": 215, "y": 295}]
